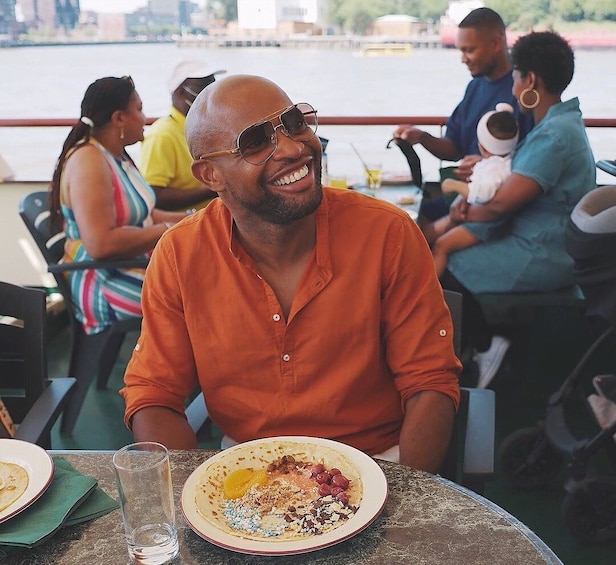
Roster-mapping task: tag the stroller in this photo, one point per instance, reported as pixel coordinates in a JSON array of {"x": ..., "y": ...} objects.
[{"x": 532, "y": 457}]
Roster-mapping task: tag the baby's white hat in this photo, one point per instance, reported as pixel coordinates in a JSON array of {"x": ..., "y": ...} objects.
[{"x": 492, "y": 144}]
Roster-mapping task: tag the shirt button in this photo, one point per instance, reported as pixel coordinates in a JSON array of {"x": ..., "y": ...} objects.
[
  {"x": 276, "y": 317},
  {"x": 286, "y": 357},
  {"x": 442, "y": 333},
  {"x": 137, "y": 347}
]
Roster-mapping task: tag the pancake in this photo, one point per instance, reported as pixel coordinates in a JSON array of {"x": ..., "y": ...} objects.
[
  {"x": 286, "y": 505},
  {"x": 13, "y": 483}
]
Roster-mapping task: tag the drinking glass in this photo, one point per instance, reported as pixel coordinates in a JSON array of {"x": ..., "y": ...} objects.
[
  {"x": 338, "y": 181},
  {"x": 143, "y": 476},
  {"x": 373, "y": 173}
]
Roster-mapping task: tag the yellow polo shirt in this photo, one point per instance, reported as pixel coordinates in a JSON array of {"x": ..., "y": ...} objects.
[{"x": 165, "y": 160}]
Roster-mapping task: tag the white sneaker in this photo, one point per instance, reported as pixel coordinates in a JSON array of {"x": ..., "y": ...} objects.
[{"x": 490, "y": 361}]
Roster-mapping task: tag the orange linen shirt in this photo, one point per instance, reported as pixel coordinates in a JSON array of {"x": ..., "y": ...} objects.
[{"x": 368, "y": 328}]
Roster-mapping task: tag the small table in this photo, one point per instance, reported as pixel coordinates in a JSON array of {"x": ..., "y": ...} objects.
[
  {"x": 426, "y": 520},
  {"x": 405, "y": 196}
]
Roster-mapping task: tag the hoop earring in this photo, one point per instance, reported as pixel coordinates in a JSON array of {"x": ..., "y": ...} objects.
[
  {"x": 121, "y": 133},
  {"x": 537, "y": 98}
]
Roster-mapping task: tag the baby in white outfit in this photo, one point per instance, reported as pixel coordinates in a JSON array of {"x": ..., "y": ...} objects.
[{"x": 497, "y": 133}]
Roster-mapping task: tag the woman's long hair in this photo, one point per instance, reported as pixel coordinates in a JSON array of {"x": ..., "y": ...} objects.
[{"x": 102, "y": 98}]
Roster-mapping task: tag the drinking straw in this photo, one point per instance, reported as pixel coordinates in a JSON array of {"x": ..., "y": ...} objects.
[{"x": 360, "y": 158}]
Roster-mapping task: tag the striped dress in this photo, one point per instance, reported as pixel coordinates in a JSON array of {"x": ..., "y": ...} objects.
[{"x": 103, "y": 296}]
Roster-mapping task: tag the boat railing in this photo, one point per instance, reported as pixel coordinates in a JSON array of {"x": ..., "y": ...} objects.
[
  {"x": 598, "y": 128},
  {"x": 323, "y": 120}
]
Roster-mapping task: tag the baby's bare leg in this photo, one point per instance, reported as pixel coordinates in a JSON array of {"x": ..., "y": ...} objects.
[
  {"x": 455, "y": 239},
  {"x": 433, "y": 230},
  {"x": 453, "y": 185}
]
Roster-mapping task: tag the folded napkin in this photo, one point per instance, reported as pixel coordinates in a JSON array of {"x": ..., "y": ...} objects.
[{"x": 71, "y": 498}]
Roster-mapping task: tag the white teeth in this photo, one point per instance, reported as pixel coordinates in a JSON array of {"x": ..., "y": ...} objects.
[{"x": 293, "y": 177}]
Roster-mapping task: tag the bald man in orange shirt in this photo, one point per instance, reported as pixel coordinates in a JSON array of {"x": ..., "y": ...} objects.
[{"x": 298, "y": 309}]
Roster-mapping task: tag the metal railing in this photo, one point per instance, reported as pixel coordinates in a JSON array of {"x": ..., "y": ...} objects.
[
  {"x": 599, "y": 137},
  {"x": 323, "y": 120}
]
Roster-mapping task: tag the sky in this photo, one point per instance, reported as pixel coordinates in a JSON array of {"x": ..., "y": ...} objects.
[{"x": 113, "y": 6}]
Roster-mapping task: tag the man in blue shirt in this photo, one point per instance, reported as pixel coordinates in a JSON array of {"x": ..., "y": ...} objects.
[{"x": 482, "y": 41}]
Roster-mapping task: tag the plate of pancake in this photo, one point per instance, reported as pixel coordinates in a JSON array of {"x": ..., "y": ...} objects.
[
  {"x": 26, "y": 471},
  {"x": 284, "y": 495}
]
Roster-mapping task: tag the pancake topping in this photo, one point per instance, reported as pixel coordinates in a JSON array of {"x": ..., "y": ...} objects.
[{"x": 288, "y": 499}]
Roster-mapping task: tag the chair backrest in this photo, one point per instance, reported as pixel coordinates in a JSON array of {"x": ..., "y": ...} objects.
[
  {"x": 23, "y": 353},
  {"x": 470, "y": 456},
  {"x": 34, "y": 211},
  {"x": 49, "y": 238}
]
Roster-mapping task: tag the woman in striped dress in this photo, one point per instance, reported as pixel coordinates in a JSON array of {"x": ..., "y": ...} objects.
[{"x": 107, "y": 208}]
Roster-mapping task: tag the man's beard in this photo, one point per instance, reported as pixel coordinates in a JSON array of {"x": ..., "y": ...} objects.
[{"x": 281, "y": 209}]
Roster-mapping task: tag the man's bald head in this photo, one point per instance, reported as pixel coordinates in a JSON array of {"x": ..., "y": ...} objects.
[{"x": 212, "y": 113}]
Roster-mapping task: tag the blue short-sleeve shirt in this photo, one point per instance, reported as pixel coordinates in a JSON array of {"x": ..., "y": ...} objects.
[{"x": 480, "y": 97}]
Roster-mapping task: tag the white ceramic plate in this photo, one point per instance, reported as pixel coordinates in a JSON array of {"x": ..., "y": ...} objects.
[
  {"x": 393, "y": 179},
  {"x": 374, "y": 498},
  {"x": 37, "y": 463}
]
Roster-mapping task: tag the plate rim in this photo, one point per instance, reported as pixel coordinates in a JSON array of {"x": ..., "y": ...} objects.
[
  {"x": 40, "y": 468},
  {"x": 396, "y": 179},
  {"x": 373, "y": 505}
]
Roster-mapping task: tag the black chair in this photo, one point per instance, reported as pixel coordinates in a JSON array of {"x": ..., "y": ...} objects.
[
  {"x": 33, "y": 400},
  {"x": 91, "y": 355},
  {"x": 470, "y": 456}
]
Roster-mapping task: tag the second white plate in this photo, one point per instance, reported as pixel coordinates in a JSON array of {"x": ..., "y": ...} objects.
[{"x": 37, "y": 463}]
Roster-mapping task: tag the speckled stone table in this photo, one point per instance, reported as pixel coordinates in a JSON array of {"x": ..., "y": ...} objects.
[{"x": 427, "y": 520}]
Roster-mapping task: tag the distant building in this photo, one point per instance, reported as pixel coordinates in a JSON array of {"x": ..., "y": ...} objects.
[
  {"x": 50, "y": 14},
  {"x": 398, "y": 26},
  {"x": 7, "y": 18},
  {"x": 455, "y": 13},
  {"x": 281, "y": 16}
]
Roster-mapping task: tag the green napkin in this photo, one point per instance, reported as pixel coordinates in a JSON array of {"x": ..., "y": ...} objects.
[{"x": 68, "y": 490}]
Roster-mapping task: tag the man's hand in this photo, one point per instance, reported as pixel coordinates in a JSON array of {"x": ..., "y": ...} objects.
[
  {"x": 458, "y": 211},
  {"x": 410, "y": 133},
  {"x": 465, "y": 167}
]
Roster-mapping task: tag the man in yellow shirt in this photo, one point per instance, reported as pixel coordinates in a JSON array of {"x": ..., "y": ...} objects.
[{"x": 165, "y": 160}]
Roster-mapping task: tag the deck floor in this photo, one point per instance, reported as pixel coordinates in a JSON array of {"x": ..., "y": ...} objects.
[{"x": 521, "y": 401}]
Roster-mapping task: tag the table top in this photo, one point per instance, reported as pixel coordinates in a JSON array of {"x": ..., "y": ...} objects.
[
  {"x": 408, "y": 197},
  {"x": 426, "y": 520}
]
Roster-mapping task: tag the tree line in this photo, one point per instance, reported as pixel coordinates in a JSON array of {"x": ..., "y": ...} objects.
[{"x": 356, "y": 16}]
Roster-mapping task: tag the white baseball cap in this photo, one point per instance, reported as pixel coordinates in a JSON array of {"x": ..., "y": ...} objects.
[{"x": 190, "y": 69}]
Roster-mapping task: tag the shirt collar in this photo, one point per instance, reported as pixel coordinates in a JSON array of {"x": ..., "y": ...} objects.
[{"x": 177, "y": 116}]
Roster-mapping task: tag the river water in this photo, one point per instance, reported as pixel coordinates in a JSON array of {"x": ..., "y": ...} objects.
[{"x": 49, "y": 82}]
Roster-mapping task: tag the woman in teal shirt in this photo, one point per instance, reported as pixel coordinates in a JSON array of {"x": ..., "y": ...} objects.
[{"x": 521, "y": 231}]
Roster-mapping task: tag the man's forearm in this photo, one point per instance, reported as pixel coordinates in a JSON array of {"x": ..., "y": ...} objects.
[
  {"x": 426, "y": 430},
  {"x": 440, "y": 147},
  {"x": 156, "y": 423}
]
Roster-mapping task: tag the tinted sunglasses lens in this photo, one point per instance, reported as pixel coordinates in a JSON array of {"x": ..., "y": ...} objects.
[
  {"x": 257, "y": 142},
  {"x": 300, "y": 121}
]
